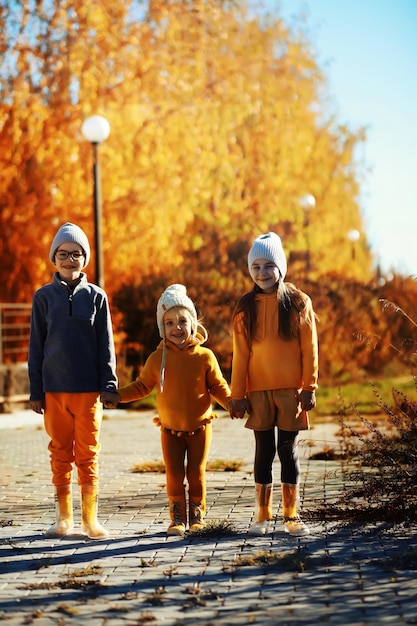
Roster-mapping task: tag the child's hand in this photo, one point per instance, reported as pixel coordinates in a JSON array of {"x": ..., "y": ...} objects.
[
  {"x": 38, "y": 406},
  {"x": 307, "y": 400},
  {"x": 238, "y": 408},
  {"x": 110, "y": 399}
]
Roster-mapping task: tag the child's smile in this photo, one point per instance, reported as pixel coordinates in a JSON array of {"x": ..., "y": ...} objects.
[
  {"x": 70, "y": 268},
  {"x": 177, "y": 325},
  {"x": 265, "y": 274}
]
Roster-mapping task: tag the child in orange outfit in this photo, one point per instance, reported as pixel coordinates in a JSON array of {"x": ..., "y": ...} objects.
[
  {"x": 71, "y": 360},
  {"x": 186, "y": 375},
  {"x": 274, "y": 376}
]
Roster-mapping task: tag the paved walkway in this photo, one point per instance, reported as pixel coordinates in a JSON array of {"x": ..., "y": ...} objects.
[{"x": 139, "y": 576}]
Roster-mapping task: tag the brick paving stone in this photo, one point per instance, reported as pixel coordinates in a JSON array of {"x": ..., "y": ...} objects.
[{"x": 141, "y": 574}]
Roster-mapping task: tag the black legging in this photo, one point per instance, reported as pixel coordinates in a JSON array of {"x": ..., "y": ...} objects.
[{"x": 287, "y": 448}]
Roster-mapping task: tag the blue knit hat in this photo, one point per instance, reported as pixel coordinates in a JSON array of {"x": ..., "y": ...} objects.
[{"x": 70, "y": 233}]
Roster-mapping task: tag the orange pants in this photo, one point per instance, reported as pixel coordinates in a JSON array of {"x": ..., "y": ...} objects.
[
  {"x": 196, "y": 448},
  {"x": 73, "y": 421}
]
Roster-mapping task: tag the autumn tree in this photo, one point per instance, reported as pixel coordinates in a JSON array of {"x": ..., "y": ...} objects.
[{"x": 220, "y": 123}]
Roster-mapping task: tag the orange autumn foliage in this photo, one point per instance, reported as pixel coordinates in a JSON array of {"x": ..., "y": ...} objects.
[
  {"x": 220, "y": 123},
  {"x": 217, "y": 124}
]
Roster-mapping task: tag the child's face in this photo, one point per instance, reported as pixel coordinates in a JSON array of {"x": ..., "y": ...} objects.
[
  {"x": 70, "y": 268},
  {"x": 265, "y": 274},
  {"x": 177, "y": 325}
]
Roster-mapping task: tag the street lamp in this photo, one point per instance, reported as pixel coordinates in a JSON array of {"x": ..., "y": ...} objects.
[
  {"x": 353, "y": 236},
  {"x": 307, "y": 203},
  {"x": 96, "y": 129}
]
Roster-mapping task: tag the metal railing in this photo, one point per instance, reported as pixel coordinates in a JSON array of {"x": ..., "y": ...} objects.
[{"x": 14, "y": 332}]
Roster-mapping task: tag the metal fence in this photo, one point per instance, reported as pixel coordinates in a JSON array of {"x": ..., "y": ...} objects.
[{"x": 14, "y": 332}]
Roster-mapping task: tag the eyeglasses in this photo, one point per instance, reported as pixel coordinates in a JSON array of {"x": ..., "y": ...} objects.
[{"x": 64, "y": 254}]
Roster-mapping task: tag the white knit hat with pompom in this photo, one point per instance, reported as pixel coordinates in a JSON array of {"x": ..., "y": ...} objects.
[{"x": 174, "y": 295}]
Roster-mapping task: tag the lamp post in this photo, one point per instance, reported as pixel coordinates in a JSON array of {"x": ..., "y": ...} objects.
[
  {"x": 353, "y": 236},
  {"x": 307, "y": 203},
  {"x": 96, "y": 129}
]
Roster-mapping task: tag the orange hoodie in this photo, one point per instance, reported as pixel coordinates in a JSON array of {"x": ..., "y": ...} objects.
[
  {"x": 192, "y": 376},
  {"x": 273, "y": 363}
]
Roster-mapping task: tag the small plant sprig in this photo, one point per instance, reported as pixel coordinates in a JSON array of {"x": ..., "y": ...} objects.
[
  {"x": 157, "y": 597},
  {"x": 408, "y": 346}
]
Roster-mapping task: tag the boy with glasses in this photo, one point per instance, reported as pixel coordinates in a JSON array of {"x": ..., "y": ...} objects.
[{"x": 71, "y": 361}]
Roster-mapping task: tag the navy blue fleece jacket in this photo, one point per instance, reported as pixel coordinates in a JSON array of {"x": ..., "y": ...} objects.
[{"x": 71, "y": 345}]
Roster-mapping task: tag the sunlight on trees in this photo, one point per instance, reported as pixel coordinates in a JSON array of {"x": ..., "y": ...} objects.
[
  {"x": 220, "y": 124},
  {"x": 217, "y": 125}
]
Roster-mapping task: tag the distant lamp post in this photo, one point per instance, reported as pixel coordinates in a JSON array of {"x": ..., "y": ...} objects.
[
  {"x": 353, "y": 236},
  {"x": 307, "y": 203},
  {"x": 379, "y": 275},
  {"x": 96, "y": 129}
]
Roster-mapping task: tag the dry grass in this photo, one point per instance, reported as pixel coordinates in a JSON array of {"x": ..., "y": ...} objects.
[
  {"x": 217, "y": 465},
  {"x": 378, "y": 456},
  {"x": 215, "y": 528},
  {"x": 298, "y": 561},
  {"x": 220, "y": 465},
  {"x": 90, "y": 570},
  {"x": 157, "y": 597},
  {"x": 149, "y": 467}
]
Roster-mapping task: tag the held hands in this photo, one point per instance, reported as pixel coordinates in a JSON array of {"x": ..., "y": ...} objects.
[
  {"x": 110, "y": 399},
  {"x": 238, "y": 408},
  {"x": 307, "y": 400}
]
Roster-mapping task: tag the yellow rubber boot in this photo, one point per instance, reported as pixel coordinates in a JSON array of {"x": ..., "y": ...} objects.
[
  {"x": 89, "y": 503},
  {"x": 64, "y": 524},
  {"x": 292, "y": 521},
  {"x": 178, "y": 515},
  {"x": 197, "y": 507},
  {"x": 263, "y": 509}
]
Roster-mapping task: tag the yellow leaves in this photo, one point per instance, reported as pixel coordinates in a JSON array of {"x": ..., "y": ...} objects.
[{"x": 214, "y": 136}]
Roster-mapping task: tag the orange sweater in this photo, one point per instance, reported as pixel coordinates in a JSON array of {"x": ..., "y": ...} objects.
[
  {"x": 192, "y": 375},
  {"x": 274, "y": 363}
]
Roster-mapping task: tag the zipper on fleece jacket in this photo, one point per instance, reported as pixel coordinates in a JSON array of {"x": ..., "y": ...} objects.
[{"x": 70, "y": 304}]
